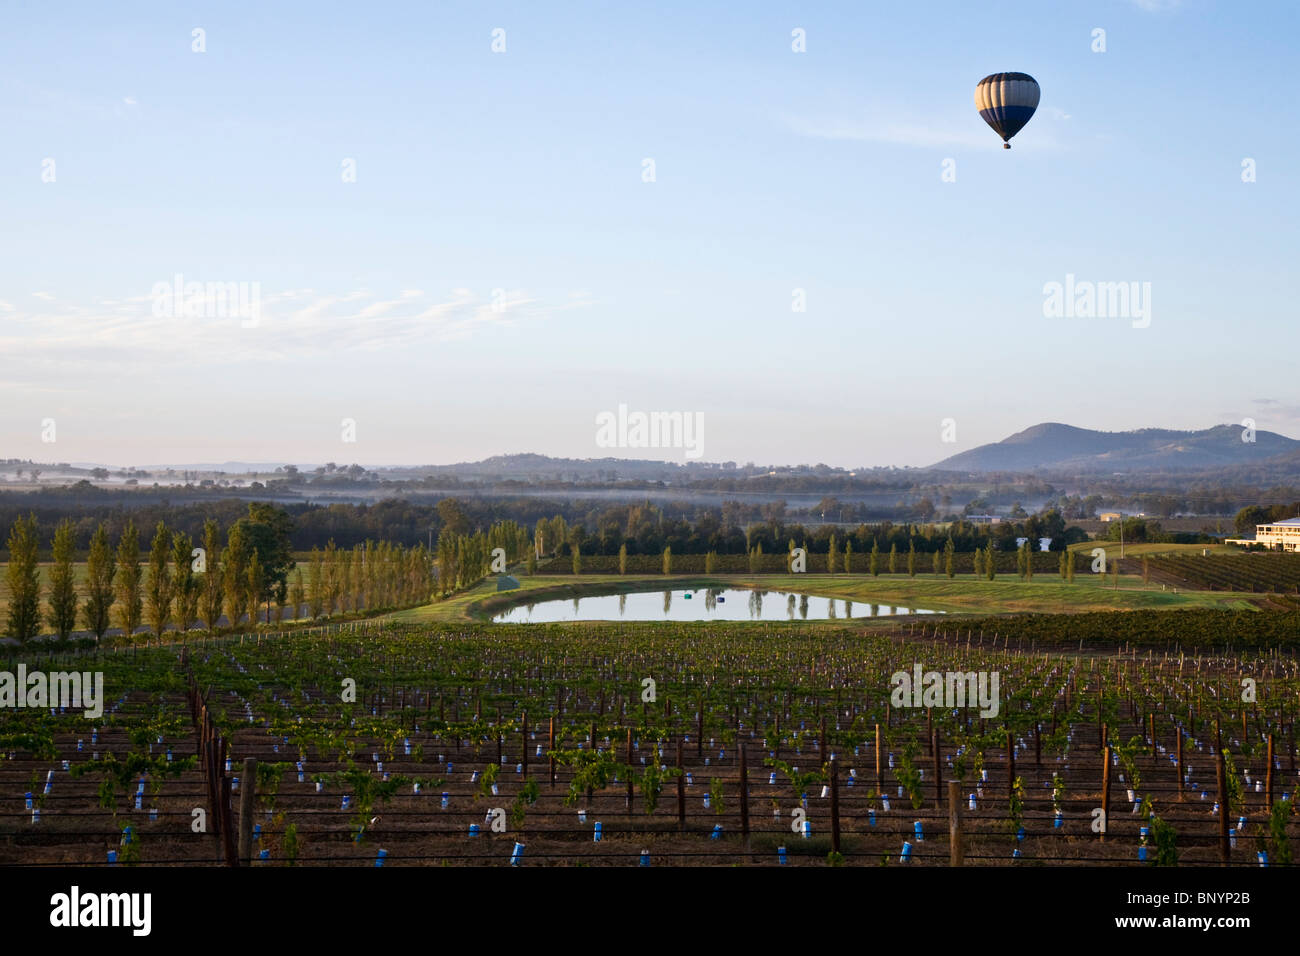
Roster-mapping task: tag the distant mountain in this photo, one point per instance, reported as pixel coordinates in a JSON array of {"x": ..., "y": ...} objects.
[{"x": 1054, "y": 447}]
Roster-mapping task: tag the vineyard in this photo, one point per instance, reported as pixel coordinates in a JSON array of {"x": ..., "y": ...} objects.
[
  {"x": 1277, "y": 573},
  {"x": 627, "y": 745}
]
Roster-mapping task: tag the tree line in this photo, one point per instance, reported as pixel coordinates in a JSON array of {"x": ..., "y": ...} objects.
[{"x": 180, "y": 581}]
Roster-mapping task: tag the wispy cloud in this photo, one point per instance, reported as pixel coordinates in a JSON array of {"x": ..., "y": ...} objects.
[
  {"x": 1158, "y": 6},
  {"x": 293, "y": 324},
  {"x": 939, "y": 135},
  {"x": 863, "y": 131}
]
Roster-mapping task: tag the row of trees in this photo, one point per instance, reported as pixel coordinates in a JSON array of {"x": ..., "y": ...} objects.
[
  {"x": 366, "y": 577},
  {"x": 465, "y": 559},
  {"x": 684, "y": 538},
  {"x": 176, "y": 583}
]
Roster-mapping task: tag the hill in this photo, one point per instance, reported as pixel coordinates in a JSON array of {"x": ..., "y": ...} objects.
[{"x": 1052, "y": 446}]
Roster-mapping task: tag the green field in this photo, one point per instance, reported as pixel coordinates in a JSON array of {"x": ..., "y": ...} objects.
[
  {"x": 961, "y": 595},
  {"x": 1136, "y": 550}
]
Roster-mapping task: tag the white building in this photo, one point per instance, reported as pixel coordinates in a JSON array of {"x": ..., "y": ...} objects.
[{"x": 1280, "y": 535}]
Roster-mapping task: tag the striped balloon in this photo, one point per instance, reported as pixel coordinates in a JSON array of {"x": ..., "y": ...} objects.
[{"x": 1007, "y": 101}]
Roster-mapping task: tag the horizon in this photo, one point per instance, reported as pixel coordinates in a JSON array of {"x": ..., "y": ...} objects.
[{"x": 219, "y": 465}]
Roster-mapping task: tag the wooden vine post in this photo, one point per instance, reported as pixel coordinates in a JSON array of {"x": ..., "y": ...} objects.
[
  {"x": 1105, "y": 792},
  {"x": 246, "y": 797},
  {"x": 880, "y": 776},
  {"x": 629, "y": 771},
  {"x": 938, "y": 771},
  {"x": 1180, "y": 764},
  {"x": 1221, "y": 781},
  {"x": 1011, "y": 764},
  {"x": 1268, "y": 775},
  {"x": 744, "y": 797},
  {"x": 955, "y": 849},
  {"x": 227, "y": 824},
  {"x": 835, "y": 808},
  {"x": 681, "y": 788}
]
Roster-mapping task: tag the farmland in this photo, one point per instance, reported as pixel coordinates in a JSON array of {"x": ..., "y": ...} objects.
[
  {"x": 1278, "y": 573},
  {"x": 402, "y": 737}
]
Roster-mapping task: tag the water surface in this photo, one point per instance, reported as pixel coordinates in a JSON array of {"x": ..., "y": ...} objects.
[{"x": 700, "y": 604}]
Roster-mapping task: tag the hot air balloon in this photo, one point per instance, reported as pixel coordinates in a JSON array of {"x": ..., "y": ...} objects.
[{"x": 1007, "y": 101}]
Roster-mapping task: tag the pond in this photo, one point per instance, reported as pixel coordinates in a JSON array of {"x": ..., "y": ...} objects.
[{"x": 699, "y": 604}]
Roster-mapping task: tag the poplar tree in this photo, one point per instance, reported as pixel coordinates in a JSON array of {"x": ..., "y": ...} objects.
[
  {"x": 358, "y": 575},
  {"x": 911, "y": 559},
  {"x": 875, "y": 558},
  {"x": 211, "y": 585},
  {"x": 333, "y": 582},
  {"x": 24, "y": 581},
  {"x": 949, "y": 552},
  {"x": 446, "y": 563},
  {"x": 668, "y": 559},
  {"x": 63, "y": 590},
  {"x": 100, "y": 569},
  {"x": 128, "y": 580},
  {"x": 832, "y": 556},
  {"x": 234, "y": 571},
  {"x": 893, "y": 558},
  {"x": 297, "y": 593},
  {"x": 622, "y": 558},
  {"x": 345, "y": 580},
  {"x": 848, "y": 555},
  {"x": 316, "y": 585},
  {"x": 253, "y": 593},
  {"x": 158, "y": 591},
  {"x": 186, "y": 586}
]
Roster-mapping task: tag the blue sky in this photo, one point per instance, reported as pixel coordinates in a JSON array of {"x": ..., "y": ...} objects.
[{"x": 499, "y": 273}]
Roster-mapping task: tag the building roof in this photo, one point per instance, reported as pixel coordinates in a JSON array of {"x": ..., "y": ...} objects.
[{"x": 1292, "y": 522}]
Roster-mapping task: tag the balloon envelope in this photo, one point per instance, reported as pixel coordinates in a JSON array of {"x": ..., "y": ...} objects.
[{"x": 1007, "y": 101}]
